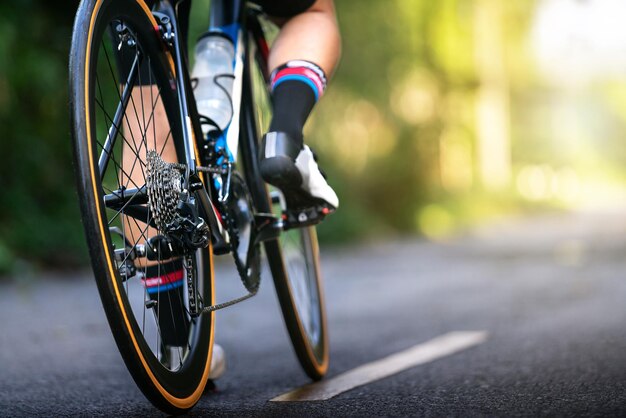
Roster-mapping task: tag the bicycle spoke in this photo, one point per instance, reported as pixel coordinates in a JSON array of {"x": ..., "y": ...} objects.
[
  {"x": 112, "y": 72},
  {"x": 150, "y": 120},
  {"x": 111, "y": 138},
  {"x": 108, "y": 119},
  {"x": 132, "y": 145},
  {"x": 169, "y": 135},
  {"x": 153, "y": 101},
  {"x": 121, "y": 211}
]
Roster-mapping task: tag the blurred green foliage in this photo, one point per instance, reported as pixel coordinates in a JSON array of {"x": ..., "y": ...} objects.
[
  {"x": 408, "y": 77},
  {"x": 39, "y": 219},
  {"x": 436, "y": 118}
]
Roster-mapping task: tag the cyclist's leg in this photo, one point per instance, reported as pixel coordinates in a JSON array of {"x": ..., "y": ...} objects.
[
  {"x": 306, "y": 50},
  {"x": 145, "y": 128},
  {"x": 311, "y": 36}
]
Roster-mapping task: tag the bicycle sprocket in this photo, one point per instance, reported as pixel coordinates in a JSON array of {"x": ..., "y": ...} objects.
[{"x": 163, "y": 186}]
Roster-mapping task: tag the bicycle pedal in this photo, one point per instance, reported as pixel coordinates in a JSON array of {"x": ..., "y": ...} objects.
[{"x": 302, "y": 217}]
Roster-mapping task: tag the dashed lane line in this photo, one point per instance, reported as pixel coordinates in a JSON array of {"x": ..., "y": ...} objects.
[{"x": 434, "y": 349}]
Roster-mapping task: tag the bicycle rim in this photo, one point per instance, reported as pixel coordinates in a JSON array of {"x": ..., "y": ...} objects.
[{"x": 165, "y": 349}]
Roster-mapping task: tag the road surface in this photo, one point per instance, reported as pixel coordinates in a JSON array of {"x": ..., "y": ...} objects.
[{"x": 546, "y": 298}]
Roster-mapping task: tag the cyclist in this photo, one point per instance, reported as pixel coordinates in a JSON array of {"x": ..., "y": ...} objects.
[{"x": 303, "y": 55}]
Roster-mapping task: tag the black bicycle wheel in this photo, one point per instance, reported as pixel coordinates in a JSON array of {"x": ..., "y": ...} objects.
[
  {"x": 125, "y": 107},
  {"x": 294, "y": 257}
]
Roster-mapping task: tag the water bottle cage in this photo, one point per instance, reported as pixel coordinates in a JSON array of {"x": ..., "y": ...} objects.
[{"x": 214, "y": 133}]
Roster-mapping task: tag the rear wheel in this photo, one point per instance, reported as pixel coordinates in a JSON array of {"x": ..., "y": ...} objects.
[
  {"x": 124, "y": 108},
  {"x": 294, "y": 257}
]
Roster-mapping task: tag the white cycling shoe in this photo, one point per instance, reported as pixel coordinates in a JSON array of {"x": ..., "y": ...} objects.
[
  {"x": 313, "y": 181},
  {"x": 296, "y": 173}
]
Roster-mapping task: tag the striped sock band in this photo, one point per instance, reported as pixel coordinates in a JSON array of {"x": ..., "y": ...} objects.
[
  {"x": 164, "y": 284},
  {"x": 164, "y": 277},
  {"x": 303, "y": 71}
]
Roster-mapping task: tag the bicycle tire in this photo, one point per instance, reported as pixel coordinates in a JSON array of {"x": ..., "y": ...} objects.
[
  {"x": 171, "y": 374},
  {"x": 309, "y": 338}
]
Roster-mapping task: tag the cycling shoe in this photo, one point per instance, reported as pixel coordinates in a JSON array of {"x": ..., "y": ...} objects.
[{"x": 296, "y": 173}]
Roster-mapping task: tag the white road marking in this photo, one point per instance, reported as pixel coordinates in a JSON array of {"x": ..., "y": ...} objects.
[{"x": 434, "y": 349}]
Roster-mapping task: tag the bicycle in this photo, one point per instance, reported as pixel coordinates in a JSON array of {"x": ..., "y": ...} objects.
[{"x": 146, "y": 202}]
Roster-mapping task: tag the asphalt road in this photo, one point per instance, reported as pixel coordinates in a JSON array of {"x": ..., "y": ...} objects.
[{"x": 550, "y": 293}]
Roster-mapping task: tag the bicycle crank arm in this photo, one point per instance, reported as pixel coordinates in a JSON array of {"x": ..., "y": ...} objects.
[{"x": 269, "y": 227}]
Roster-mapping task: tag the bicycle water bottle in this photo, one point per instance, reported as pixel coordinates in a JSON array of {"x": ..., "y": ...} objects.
[{"x": 213, "y": 68}]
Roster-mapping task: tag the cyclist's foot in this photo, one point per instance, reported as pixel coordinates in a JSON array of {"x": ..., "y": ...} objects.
[
  {"x": 295, "y": 172},
  {"x": 218, "y": 362}
]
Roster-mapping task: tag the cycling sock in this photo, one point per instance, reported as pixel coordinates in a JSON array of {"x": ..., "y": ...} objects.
[
  {"x": 296, "y": 87},
  {"x": 164, "y": 285},
  {"x": 165, "y": 276}
]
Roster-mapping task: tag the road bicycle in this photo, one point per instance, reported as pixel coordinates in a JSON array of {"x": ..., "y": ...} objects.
[{"x": 152, "y": 197}]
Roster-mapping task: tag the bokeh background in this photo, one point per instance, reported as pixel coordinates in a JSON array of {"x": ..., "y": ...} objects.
[{"x": 442, "y": 115}]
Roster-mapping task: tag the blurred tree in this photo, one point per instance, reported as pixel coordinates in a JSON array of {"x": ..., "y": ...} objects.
[
  {"x": 420, "y": 87},
  {"x": 38, "y": 212},
  {"x": 410, "y": 106}
]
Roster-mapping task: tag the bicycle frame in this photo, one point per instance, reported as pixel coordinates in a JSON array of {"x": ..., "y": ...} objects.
[{"x": 227, "y": 21}]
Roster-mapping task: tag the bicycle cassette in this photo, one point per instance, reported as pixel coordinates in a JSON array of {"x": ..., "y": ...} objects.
[{"x": 163, "y": 186}]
